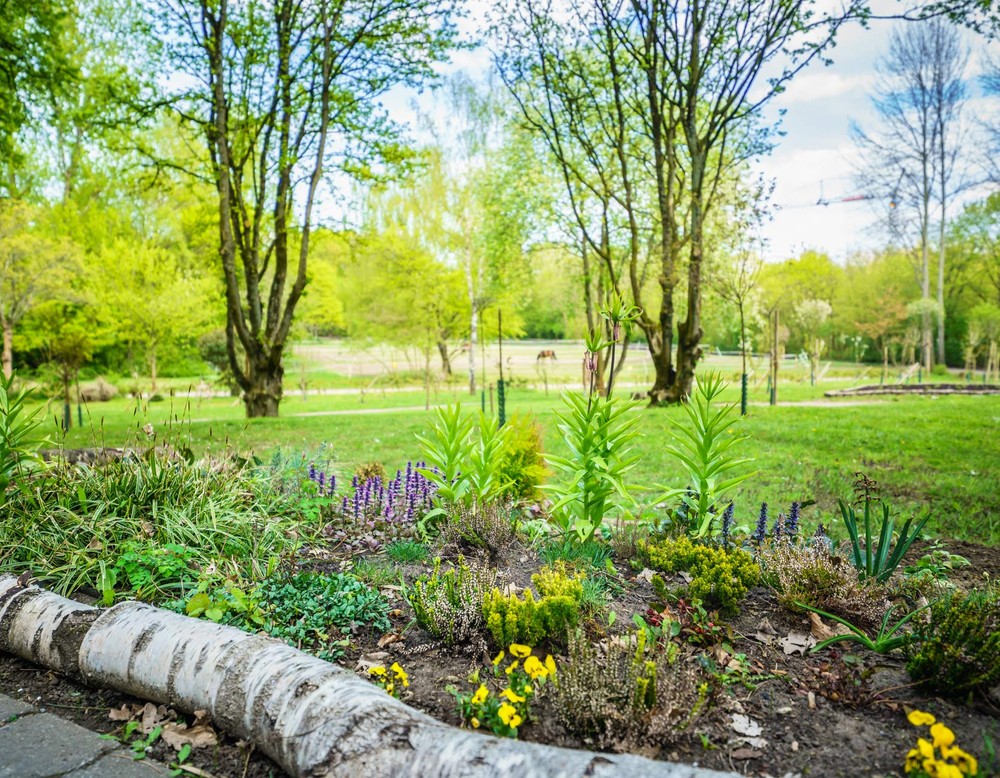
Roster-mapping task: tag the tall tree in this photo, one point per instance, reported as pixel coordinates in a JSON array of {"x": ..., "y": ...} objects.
[
  {"x": 34, "y": 268},
  {"x": 913, "y": 157},
  {"x": 33, "y": 65},
  {"x": 667, "y": 92},
  {"x": 284, "y": 93}
]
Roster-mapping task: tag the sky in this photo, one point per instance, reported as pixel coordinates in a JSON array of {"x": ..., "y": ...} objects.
[{"x": 815, "y": 158}]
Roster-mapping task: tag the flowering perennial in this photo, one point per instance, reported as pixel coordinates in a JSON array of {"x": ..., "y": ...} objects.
[
  {"x": 505, "y": 710},
  {"x": 938, "y": 757}
]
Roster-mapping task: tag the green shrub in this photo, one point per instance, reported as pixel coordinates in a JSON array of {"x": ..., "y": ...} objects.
[
  {"x": 449, "y": 605},
  {"x": 513, "y": 619},
  {"x": 559, "y": 581},
  {"x": 956, "y": 651},
  {"x": 719, "y": 577},
  {"x": 522, "y": 465}
]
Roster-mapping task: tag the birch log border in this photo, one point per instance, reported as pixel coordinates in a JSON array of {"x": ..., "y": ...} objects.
[{"x": 312, "y": 717}]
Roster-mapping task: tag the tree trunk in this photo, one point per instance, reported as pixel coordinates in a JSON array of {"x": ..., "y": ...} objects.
[
  {"x": 152, "y": 368},
  {"x": 446, "y": 357},
  {"x": 8, "y": 349},
  {"x": 311, "y": 717},
  {"x": 263, "y": 394}
]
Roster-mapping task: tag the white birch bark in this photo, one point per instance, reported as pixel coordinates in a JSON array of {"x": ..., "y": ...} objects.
[{"x": 312, "y": 717}]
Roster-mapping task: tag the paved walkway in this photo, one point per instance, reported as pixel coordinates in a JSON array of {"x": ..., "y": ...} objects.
[{"x": 34, "y": 744}]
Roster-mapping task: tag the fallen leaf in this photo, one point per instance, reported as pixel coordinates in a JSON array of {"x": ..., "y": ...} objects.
[
  {"x": 744, "y": 725},
  {"x": 388, "y": 639},
  {"x": 646, "y": 575},
  {"x": 153, "y": 716},
  {"x": 796, "y": 643},
  {"x": 746, "y": 753},
  {"x": 199, "y": 735},
  {"x": 368, "y": 661},
  {"x": 822, "y": 632},
  {"x": 766, "y": 634},
  {"x": 124, "y": 713}
]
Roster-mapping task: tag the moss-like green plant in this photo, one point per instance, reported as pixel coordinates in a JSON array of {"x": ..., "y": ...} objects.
[
  {"x": 956, "y": 651},
  {"x": 559, "y": 581},
  {"x": 719, "y": 577}
]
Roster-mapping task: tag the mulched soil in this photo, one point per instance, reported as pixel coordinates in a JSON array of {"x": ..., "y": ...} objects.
[{"x": 837, "y": 713}]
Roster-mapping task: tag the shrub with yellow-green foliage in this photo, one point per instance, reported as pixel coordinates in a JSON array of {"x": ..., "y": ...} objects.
[
  {"x": 955, "y": 652},
  {"x": 514, "y": 619},
  {"x": 559, "y": 581},
  {"x": 719, "y": 576}
]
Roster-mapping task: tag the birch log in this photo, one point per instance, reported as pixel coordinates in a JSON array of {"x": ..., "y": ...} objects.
[{"x": 312, "y": 717}]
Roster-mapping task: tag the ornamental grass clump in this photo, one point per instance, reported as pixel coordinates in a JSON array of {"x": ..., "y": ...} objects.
[
  {"x": 719, "y": 576},
  {"x": 503, "y": 704},
  {"x": 955, "y": 652},
  {"x": 449, "y": 605},
  {"x": 938, "y": 757}
]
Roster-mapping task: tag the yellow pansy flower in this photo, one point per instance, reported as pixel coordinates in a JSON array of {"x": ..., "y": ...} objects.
[
  {"x": 379, "y": 671},
  {"x": 401, "y": 674},
  {"x": 920, "y": 719},
  {"x": 481, "y": 694},
  {"x": 511, "y": 668},
  {"x": 945, "y": 770},
  {"x": 942, "y": 736},
  {"x": 533, "y": 666},
  {"x": 925, "y": 748},
  {"x": 550, "y": 664},
  {"x": 509, "y": 716},
  {"x": 516, "y": 649},
  {"x": 474, "y": 722},
  {"x": 498, "y": 658},
  {"x": 511, "y": 695}
]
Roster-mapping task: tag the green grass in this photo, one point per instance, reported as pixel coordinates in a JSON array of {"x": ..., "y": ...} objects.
[{"x": 936, "y": 454}]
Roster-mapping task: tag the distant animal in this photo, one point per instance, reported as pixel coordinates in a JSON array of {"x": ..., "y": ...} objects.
[{"x": 545, "y": 354}]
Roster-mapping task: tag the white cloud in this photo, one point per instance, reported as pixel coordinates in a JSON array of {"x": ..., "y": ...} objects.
[{"x": 823, "y": 85}]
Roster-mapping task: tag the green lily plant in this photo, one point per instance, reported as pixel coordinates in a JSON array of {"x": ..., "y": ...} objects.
[
  {"x": 598, "y": 432},
  {"x": 703, "y": 449}
]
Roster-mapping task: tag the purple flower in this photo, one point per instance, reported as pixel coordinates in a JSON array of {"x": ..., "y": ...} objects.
[
  {"x": 779, "y": 524},
  {"x": 792, "y": 522},
  {"x": 590, "y": 361},
  {"x": 760, "y": 532},
  {"x": 727, "y": 523}
]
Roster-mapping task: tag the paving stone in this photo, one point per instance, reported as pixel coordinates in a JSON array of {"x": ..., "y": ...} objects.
[
  {"x": 120, "y": 764},
  {"x": 44, "y": 746},
  {"x": 10, "y": 709}
]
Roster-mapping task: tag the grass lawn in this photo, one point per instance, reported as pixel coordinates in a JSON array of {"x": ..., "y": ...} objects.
[{"x": 937, "y": 454}]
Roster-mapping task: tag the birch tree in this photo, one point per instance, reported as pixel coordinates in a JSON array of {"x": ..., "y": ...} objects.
[{"x": 913, "y": 156}]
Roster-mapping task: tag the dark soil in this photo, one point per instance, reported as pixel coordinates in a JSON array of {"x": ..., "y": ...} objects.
[{"x": 836, "y": 713}]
